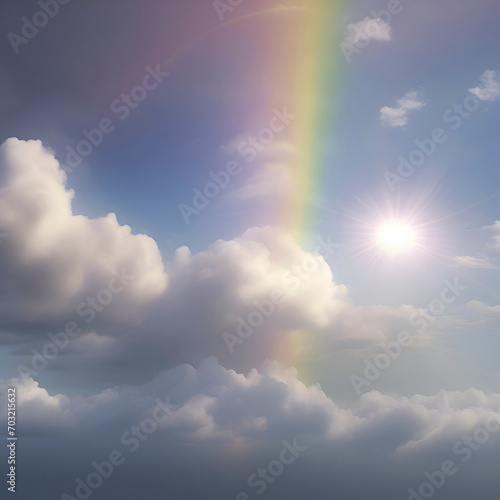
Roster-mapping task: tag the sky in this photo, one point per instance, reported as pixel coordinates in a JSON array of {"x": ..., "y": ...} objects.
[{"x": 249, "y": 249}]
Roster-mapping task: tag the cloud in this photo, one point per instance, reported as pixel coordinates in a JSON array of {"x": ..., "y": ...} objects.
[
  {"x": 54, "y": 258},
  {"x": 226, "y": 290},
  {"x": 176, "y": 313},
  {"x": 474, "y": 262},
  {"x": 43, "y": 414},
  {"x": 483, "y": 308},
  {"x": 233, "y": 145},
  {"x": 214, "y": 403},
  {"x": 495, "y": 227},
  {"x": 242, "y": 419},
  {"x": 489, "y": 88},
  {"x": 368, "y": 29},
  {"x": 398, "y": 116},
  {"x": 223, "y": 290},
  {"x": 273, "y": 180}
]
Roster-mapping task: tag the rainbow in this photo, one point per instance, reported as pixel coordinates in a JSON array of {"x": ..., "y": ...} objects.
[
  {"x": 315, "y": 76},
  {"x": 317, "y": 87},
  {"x": 314, "y": 73}
]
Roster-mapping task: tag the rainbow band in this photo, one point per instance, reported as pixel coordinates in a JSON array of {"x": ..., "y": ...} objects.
[
  {"x": 318, "y": 89},
  {"x": 317, "y": 86},
  {"x": 316, "y": 80}
]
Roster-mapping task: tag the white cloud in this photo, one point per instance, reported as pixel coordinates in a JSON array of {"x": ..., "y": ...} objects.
[
  {"x": 228, "y": 282},
  {"x": 39, "y": 412},
  {"x": 273, "y": 180},
  {"x": 474, "y": 262},
  {"x": 489, "y": 89},
  {"x": 495, "y": 227},
  {"x": 368, "y": 29},
  {"x": 398, "y": 116},
  {"x": 53, "y": 256},
  {"x": 483, "y": 308}
]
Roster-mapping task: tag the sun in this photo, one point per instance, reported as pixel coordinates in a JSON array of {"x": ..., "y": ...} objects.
[{"x": 396, "y": 237}]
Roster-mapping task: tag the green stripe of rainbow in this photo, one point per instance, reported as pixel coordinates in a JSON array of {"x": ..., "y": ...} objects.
[{"x": 317, "y": 90}]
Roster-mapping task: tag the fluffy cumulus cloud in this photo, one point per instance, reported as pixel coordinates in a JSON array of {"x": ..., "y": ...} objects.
[
  {"x": 489, "y": 87},
  {"x": 42, "y": 413},
  {"x": 239, "y": 299},
  {"x": 397, "y": 116},
  {"x": 51, "y": 255},
  {"x": 261, "y": 262}
]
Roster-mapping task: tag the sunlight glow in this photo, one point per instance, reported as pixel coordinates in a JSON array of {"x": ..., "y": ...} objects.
[{"x": 396, "y": 237}]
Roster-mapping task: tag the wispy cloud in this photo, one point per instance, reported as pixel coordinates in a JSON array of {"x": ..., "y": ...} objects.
[
  {"x": 495, "y": 227},
  {"x": 474, "y": 262},
  {"x": 274, "y": 180},
  {"x": 368, "y": 29},
  {"x": 398, "y": 115},
  {"x": 489, "y": 89}
]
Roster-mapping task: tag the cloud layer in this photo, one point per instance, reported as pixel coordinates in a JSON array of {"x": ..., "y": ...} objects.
[
  {"x": 233, "y": 414},
  {"x": 193, "y": 328}
]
